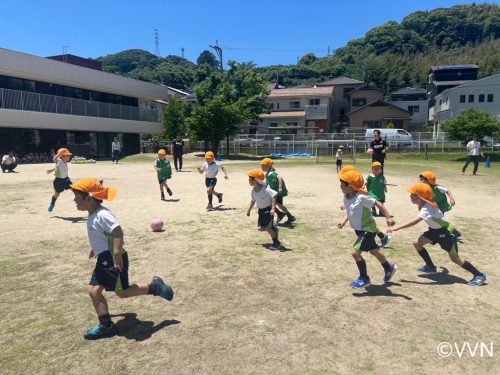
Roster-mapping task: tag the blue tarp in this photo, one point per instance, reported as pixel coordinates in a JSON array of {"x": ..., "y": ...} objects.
[{"x": 279, "y": 155}]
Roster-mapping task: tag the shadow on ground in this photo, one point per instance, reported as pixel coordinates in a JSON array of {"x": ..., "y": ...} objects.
[
  {"x": 139, "y": 330},
  {"x": 381, "y": 290},
  {"x": 76, "y": 219}
]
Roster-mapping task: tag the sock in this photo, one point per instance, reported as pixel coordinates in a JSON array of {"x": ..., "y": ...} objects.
[
  {"x": 210, "y": 197},
  {"x": 469, "y": 267},
  {"x": 53, "y": 201},
  {"x": 426, "y": 257},
  {"x": 289, "y": 215},
  {"x": 153, "y": 289},
  {"x": 362, "y": 269},
  {"x": 105, "y": 320},
  {"x": 387, "y": 266},
  {"x": 380, "y": 235}
]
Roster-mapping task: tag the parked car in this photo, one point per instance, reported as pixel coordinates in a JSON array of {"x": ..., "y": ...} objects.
[{"x": 394, "y": 137}]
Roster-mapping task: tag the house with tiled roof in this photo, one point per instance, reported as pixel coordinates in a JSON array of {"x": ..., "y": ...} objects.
[{"x": 414, "y": 100}]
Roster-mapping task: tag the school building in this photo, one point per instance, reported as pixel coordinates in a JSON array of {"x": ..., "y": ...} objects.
[{"x": 68, "y": 101}]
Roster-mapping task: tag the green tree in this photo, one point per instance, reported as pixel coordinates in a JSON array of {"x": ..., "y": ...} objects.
[
  {"x": 175, "y": 118},
  {"x": 472, "y": 121},
  {"x": 207, "y": 58}
]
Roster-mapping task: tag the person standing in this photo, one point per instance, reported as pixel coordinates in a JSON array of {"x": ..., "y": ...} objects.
[
  {"x": 378, "y": 148},
  {"x": 474, "y": 150},
  {"x": 177, "y": 149},
  {"x": 9, "y": 162},
  {"x": 116, "y": 148}
]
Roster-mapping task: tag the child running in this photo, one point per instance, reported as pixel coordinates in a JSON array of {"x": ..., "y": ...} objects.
[
  {"x": 358, "y": 212},
  {"x": 211, "y": 168},
  {"x": 265, "y": 197},
  {"x": 439, "y": 232},
  {"x": 376, "y": 186},
  {"x": 339, "y": 156},
  {"x": 61, "y": 181},
  {"x": 276, "y": 183},
  {"x": 111, "y": 269},
  {"x": 164, "y": 171}
]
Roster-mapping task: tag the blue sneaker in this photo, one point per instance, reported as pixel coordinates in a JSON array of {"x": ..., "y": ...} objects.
[
  {"x": 385, "y": 241},
  {"x": 165, "y": 290},
  {"x": 276, "y": 245},
  {"x": 388, "y": 275},
  {"x": 99, "y": 332},
  {"x": 427, "y": 269},
  {"x": 50, "y": 208},
  {"x": 478, "y": 280},
  {"x": 360, "y": 283}
]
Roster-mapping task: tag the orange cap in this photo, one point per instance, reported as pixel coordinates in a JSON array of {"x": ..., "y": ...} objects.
[
  {"x": 95, "y": 189},
  {"x": 64, "y": 151},
  {"x": 424, "y": 192},
  {"x": 162, "y": 152},
  {"x": 209, "y": 155},
  {"x": 347, "y": 168},
  {"x": 354, "y": 179},
  {"x": 430, "y": 176},
  {"x": 256, "y": 173},
  {"x": 267, "y": 162},
  {"x": 376, "y": 164}
]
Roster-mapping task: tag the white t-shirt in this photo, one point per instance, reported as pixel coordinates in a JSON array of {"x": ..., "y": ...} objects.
[
  {"x": 339, "y": 155},
  {"x": 8, "y": 160},
  {"x": 211, "y": 170},
  {"x": 61, "y": 169},
  {"x": 264, "y": 196},
  {"x": 474, "y": 148},
  {"x": 442, "y": 189},
  {"x": 115, "y": 146},
  {"x": 432, "y": 216},
  {"x": 100, "y": 224},
  {"x": 359, "y": 212}
]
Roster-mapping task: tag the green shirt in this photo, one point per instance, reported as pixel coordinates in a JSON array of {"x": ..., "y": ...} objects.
[
  {"x": 165, "y": 172},
  {"x": 272, "y": 181},
  {"x": 376, "y": 187},
  {"x": 441, "y": 199}
]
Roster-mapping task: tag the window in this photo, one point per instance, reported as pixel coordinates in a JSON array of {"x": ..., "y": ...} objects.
[
  {"x": 471, "y": 98},
  {"x": 357, "y": 102},
  {"x": 15, "y": 83},
  {"x": 481, "y": 98},
  {"x": 272, "y": 105},
  {"x": 462, "y": 98},
  {"x": 413, "y": 108},
  {"x": 295, "y": 105},
  {"x": 273, "y": 124},
  {"x": 440, "y": 102},
  {"x": 277, "y": 105},
  {"x": 314, "y": 101},
  {"x": 291, "y": 124},
  {"x": 490, "y": 98},
  {"x": 342, "y": 111}
]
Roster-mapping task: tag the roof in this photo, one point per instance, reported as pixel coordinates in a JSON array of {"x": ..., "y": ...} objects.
[
  {"x": 301, "y": 91},
  {"x": 365, "y": 88},
  {"x": 454, "y": 66},
  {"x": 340, "y": 81},
  {"x": 179, "y": 91},
  {"x": 283, "y": 114},
  {"x": 452, "y": 83},
  {"x": 378, "y": 103},
  {"x": 408, "y": 90},
  {"x": 466, "y": 83}
]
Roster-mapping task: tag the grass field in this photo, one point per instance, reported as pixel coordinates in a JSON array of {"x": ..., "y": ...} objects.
[{"x": 240, "y": 308}]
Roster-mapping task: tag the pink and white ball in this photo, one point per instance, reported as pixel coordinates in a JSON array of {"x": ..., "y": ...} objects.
[
  {"x": 370, "y": 151},
  {"x": 157, "y": 224}
]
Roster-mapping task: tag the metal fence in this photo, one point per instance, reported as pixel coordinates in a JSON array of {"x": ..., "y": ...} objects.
[{"x": 30, "y": 101}]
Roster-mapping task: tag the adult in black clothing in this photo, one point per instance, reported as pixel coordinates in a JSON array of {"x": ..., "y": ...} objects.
[
  {"x": 379, "y": 147},
  {"x": 177, "y": 149}
]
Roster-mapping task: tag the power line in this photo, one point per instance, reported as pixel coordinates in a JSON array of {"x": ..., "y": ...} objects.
[{"x": 218, "y": 51}]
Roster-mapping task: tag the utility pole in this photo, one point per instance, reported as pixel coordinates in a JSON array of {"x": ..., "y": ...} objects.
[
  {"x": 157, "y": 42},
  {"x": 182, "y": 52},
  {"x": 218, "y": 51},
  {"x": 328, "y": 54},
  {"x": 65, "y": 53}
]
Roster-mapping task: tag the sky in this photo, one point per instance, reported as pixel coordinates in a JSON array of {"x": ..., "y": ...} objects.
[{"x": 265, "y": 32}]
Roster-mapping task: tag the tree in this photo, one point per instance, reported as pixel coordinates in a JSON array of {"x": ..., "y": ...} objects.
[
  {"x": 472, "y": 121},
  {"x": 208, "y": 58},
  {"x": 174, "y": 118},
  {"x": 308, "y": 59}
]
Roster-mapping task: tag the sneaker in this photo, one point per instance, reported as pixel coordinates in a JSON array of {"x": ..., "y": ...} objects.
[
  {"x": 162, "y": 196},
  {"x": 275, "y": 246},
  {"x": 360, "y": 283},
  {"x": 290, "y": 220},
  {"x": 169, "y": 192},
  {"x": 427, "y": 269},
  {"x": 50, "y": 208},
  {"x": 209, "y": 207},
  {"x": 166, "y": 290},
  {"x": 388, "y": 275},
  {"x": 478, "y": 280},
  {"x": 384, "y": 241},
  {"x": 281, "y": 215},
  {"x": 220, "y": 197},
  {"x": 99, "y": 332}
]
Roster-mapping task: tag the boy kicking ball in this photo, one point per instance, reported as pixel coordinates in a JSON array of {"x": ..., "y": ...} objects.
[
  {"x": 111, "y": 269},
  {"x": 164, "y": 172},
  {"x": 358, "y": 212},
  {"x": 439, "y": 232}
]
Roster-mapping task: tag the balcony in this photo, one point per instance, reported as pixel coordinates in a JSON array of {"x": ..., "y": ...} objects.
[
  {"x": 30, "y": 101},
  {"x": 316, "y": 112}
]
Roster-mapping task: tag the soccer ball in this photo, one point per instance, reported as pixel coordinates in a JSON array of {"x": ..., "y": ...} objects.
[
  {"x": 369, "y": 151},
  {"x": 157, "y": 224}
]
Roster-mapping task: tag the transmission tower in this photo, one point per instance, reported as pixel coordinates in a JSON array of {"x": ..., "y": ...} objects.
[{"x": 157, "y": 42}]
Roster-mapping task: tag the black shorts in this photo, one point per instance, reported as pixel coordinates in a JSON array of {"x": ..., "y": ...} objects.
[
  {"x": 279, "y": 198},
  {"x": 365, "y": 241},
  {"x": 265, "y": 218},
  {"x": 443, "y": 237},
  {"x": 61, "y": 184},
  {"x": 107, "y": 275},
  {"x": 339, "y": 162},
  {"x": 210, "y": 182},
  {"x": 162, "y": 180}
]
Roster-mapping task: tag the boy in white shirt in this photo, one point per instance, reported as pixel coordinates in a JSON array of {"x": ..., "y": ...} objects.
[
  {"x": 358, "y": 207},
  {"x": 339, "y": 155},
  {"x": 265, "y": 197},
  {"x": 211, "y": 168},
  {"x": 474, "y": 150},
  {"x": 439, "y": 232},
  {"x": 61, "y": 181}
]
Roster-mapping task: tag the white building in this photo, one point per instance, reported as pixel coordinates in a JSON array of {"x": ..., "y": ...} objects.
[
  {"x": 482, "y": 94},
  {"x": 48, "y": 104},
  {"x": 412, "y": 100}
]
